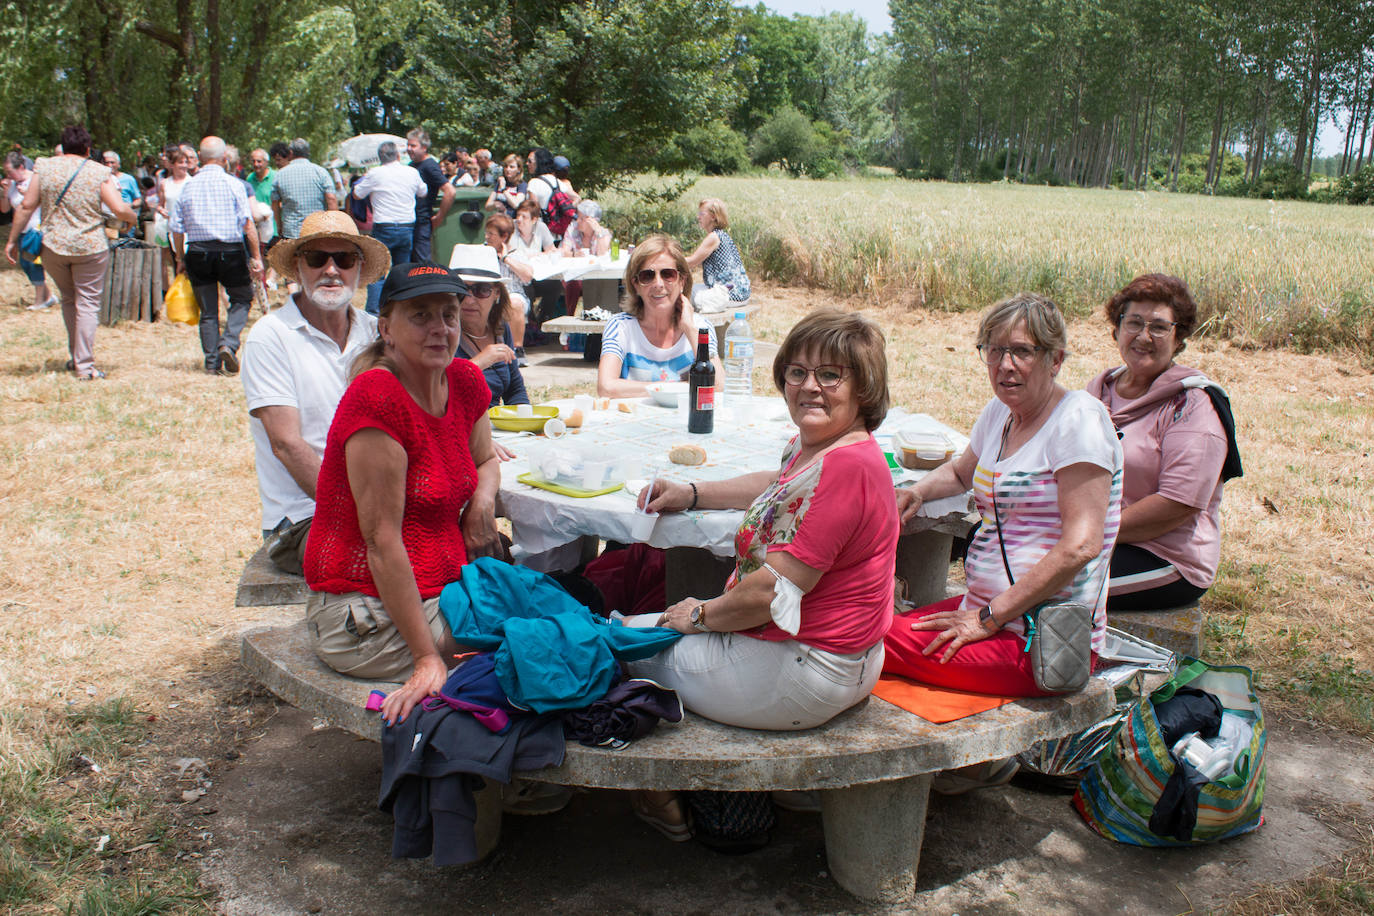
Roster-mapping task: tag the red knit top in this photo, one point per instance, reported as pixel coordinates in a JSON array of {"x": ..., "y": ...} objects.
[{"x": 440, "y": 478}]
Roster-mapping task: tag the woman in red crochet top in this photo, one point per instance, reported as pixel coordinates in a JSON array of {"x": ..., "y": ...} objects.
[{"x": 406, "y": 493}]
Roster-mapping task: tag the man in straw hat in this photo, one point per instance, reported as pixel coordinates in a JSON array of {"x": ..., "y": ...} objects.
[{"x": 295, "y": 368}]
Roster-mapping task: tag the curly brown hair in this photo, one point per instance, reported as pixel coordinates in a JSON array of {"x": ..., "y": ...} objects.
[{"x": 1163, "y": 289}]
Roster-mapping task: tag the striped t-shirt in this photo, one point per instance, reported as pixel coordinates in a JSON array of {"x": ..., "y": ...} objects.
[
  {"x": 1077, "y": 431},
  {"x": 641, "y": 360}
]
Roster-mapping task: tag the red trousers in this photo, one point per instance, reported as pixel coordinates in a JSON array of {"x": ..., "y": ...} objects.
[{"x": 998, "y": 665}]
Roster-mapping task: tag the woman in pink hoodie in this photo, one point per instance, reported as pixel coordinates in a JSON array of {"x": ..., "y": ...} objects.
[{"x": 1178, "y": 435}]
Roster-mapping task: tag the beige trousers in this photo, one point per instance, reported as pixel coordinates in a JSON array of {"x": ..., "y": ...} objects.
[{"x": 80, "y": 281}]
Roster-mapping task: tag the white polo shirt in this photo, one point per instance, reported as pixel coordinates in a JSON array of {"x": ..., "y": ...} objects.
[
  {"x": 393, "y": 188},
  {"x": 288, "y": 362}
]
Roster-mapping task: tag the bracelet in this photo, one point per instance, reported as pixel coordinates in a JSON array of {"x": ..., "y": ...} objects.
[{"x": 695, "y": 496}]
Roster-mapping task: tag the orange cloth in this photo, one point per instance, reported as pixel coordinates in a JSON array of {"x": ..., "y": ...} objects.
[{"x": 934, "y": 704}]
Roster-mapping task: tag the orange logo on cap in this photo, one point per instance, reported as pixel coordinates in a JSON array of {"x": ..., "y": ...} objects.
[{"x": 420, "y": 271}]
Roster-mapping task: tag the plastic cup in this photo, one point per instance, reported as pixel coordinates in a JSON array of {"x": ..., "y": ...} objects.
[
  {"x": 524, "y": 410},
  {"x": 642, "y": 526},
  {"x": 555, "y": 428},
  {"x": 583, "y": 402},
  {"x": 593, "y": 474}
]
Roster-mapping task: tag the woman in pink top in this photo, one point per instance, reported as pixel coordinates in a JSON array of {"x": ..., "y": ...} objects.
[
  {"x": 1176, "y": 449},
  {"x": 797, "y": 636}
]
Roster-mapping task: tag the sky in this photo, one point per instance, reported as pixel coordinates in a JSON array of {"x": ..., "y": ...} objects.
[
  {"x": 874, "y": 12},
  {"x": 1330, "y": 139}
]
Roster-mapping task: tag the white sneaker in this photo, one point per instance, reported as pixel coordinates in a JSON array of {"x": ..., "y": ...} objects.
[{"x": 525, "y": 796}]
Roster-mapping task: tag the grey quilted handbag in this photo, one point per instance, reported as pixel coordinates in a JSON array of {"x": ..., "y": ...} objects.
[{"x": 1059, "y": 639}]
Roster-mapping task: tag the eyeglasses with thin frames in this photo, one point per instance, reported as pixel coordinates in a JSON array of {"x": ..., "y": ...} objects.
[
  {"x": 315, "y": 259},
  {"x": 826, "y": 376},
  {"x": 1159, "y": 329},
  {"x": 646, "y": 276},
  {"x": 1020, "y": 355}
]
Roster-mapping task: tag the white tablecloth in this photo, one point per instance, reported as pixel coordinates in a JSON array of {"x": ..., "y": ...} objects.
[
  {"x": 744, "y": 440},
  {"x": 585, "y": 268}
]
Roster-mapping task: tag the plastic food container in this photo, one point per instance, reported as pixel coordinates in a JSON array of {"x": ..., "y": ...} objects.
[
  {"x": 576, "y": 470},
  {"x": 921, "y": 451}
]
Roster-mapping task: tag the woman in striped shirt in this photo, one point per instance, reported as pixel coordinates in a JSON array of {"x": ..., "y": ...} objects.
[{"x": 1045, "y": 466}]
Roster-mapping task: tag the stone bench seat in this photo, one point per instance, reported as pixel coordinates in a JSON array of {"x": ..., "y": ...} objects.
[
  {"x": 262, "y": 584},
  {"x": 1176, "y": 629},
  {"x": 873, "y": 763}
]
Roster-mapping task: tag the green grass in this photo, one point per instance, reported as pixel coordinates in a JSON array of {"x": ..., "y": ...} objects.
[
  {"x": 1270, "y": 273},
  {"x": 63, "y": 787}
]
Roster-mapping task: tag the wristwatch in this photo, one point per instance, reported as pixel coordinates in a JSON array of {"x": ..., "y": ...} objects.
[
  {"x": 698, "y": 618},
  {"x": 985, "y": 617}
]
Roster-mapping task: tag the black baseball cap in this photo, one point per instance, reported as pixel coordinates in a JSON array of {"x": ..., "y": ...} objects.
[{"x": 419, "y": 278}]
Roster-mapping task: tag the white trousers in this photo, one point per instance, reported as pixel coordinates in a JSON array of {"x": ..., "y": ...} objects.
[{"x": 753, "y": 683}]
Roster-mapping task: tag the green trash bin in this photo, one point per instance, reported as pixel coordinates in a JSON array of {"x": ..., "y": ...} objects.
[{"x": 465, "y": 224}]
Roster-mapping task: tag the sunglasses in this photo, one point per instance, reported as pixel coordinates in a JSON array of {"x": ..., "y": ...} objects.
[
  {"x": 646, "y": 276},
  {"x": 481, "y": 290},
  {"x": 316, "y": 259}
]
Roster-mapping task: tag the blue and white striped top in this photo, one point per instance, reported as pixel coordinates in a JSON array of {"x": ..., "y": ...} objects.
[{"x": 641, "y": 360}]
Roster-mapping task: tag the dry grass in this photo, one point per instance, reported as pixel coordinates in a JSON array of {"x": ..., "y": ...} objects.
[
  {"x": 129, "y": 506},
  {"x": 1274, "y": 273}
]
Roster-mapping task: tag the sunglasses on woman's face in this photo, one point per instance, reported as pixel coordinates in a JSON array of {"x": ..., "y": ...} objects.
[
  {"x": 481, "y": 290},
  {"x": 316, "y": 259},
  {"x": 646, "y": 276}
]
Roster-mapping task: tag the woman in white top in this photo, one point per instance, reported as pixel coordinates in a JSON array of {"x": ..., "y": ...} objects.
[
  {"x": 655, "y": 337},
  {"x": 168, "y": 190}
]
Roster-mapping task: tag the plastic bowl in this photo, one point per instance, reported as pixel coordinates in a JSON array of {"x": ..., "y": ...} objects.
[
  {"x": 666, "y": 394},
  {"x": 507, "y": 418}
]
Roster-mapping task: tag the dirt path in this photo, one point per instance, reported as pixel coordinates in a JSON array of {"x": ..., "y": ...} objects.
[{"x": 289, "y": 835}]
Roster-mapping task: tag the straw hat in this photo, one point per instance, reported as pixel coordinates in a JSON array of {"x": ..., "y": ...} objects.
[{"x": 332, "y": 224}]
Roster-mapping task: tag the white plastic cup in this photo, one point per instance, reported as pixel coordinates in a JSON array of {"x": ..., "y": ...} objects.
[
  {"x": 583, "y": 402},
  {"x": 593, "y": 474},
  {"x": 642, "y": 526},
  {"x": 555, "y": 428},
  {"x": 524, "y": 410}
]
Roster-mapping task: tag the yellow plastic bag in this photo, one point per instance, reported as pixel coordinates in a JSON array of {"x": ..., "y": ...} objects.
[{"x": 180, "y": 303}]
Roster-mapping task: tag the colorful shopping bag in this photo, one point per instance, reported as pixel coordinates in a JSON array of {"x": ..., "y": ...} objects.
[{"x": 1118, "y": 793}]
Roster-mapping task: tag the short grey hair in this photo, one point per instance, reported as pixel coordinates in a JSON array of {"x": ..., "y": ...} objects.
[
  {"x": 590, "y": 209},
  {"x": 386, "y": 152},
  {"x": 231, "y": 157},
  {"x": 300, "y": 148},
  {"x": 211, "y": 149},
  {"x": 113, "y": 155},
  {"x": 420, "y": 136},
  {"x": 1044, "y": 322},
  {"x": 15, "y": 160}
]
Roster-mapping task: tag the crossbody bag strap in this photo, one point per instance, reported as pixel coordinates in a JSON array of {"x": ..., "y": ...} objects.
[
  {"x": 996, "y": 516},
  {"x": 63, "y": 193}
]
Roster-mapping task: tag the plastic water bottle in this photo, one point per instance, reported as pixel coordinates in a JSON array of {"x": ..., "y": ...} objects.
[{"x": 739, "y": 362}]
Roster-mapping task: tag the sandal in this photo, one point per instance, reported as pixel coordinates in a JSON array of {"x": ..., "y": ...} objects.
[
  {"x": 667, "y": 817},
  {"x": 95, "y": 374}
]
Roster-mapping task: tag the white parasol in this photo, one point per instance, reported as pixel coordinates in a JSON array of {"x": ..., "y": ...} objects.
[{"x": 360, "y": 152}]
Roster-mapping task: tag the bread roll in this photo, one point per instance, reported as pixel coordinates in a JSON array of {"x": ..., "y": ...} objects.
[
  {"x": 689, "y": 455},
  {"x": 574, "y": 419}
]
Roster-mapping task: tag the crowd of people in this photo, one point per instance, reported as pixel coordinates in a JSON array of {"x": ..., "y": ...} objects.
[{"x": 216, "y": 216}]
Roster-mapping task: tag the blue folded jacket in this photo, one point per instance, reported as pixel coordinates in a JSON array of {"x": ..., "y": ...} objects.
[{"x": 551, "y": 652}]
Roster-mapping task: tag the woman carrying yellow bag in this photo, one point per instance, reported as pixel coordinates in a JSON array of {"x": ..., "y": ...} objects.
[{"x": 180, "y": 303}]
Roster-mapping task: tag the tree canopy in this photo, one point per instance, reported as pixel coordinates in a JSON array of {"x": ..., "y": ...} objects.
[{"x": 1091, "y": 92}]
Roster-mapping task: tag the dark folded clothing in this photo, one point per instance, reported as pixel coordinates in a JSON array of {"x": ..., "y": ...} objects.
[{"x": 628, "y": 711}]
